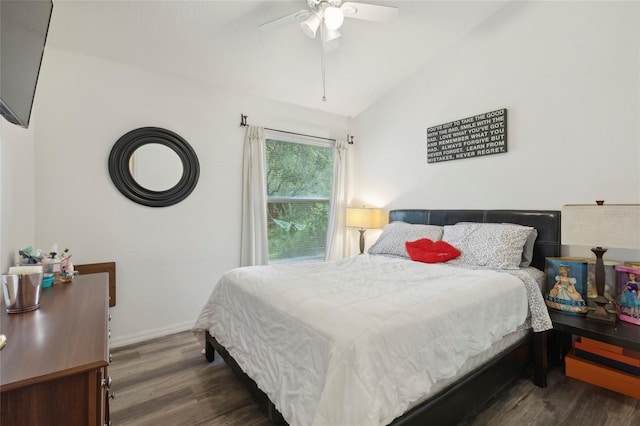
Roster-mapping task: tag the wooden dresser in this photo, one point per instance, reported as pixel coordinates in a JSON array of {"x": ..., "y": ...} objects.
[{"x": 53, "y": 370}]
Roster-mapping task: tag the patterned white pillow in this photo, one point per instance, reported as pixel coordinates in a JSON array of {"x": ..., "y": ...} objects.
[
  {"x": 396, "y": 234},
  {"x": 527, "y": 251},
  {"x": 529, "y": 245},
  {"x": 488, "y": 245}
]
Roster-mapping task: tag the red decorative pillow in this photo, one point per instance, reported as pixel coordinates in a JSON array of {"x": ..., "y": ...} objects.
[{"x": 427, "y": 251}]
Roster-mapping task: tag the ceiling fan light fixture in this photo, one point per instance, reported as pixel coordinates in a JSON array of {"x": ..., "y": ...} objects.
[
  {"x": 333, "y": 17},
  {"x": 330, "y": 35},
  {"x": 311, "y": 24}
]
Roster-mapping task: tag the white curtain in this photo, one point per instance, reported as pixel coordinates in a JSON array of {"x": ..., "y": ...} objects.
[
  {"x": 254, "y": 247},
  {"x": 337, "y": 238}
]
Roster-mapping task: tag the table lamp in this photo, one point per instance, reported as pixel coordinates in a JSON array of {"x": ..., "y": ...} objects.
[
  {"x": 601, "y": 225},
  {"x": 364, "y": 218}
]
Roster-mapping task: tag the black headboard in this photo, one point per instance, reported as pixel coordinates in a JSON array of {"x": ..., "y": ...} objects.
[{"x": 546, "y": 222}]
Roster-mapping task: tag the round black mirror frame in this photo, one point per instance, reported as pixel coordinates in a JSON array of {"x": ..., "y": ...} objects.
[{"x": 121, "y": 176}]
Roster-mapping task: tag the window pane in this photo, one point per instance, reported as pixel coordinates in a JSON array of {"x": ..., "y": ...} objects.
[
  {"x": 297, "y": 231},
  {"x": 298, "y": 170},
  {"x": 299, "y": 184}
]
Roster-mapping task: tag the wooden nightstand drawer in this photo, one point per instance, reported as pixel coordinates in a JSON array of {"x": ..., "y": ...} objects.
[{"x": 602, "y": 376}]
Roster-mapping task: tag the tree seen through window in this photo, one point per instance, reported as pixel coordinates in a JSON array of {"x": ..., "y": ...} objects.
[{"x": 299, "y": 185}]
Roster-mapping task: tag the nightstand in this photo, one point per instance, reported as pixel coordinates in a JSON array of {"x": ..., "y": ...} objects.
[{"x": 621, "y": 334}]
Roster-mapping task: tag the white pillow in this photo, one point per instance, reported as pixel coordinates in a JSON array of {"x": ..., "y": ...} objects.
[
  {"x": 527, "y": 250},
  {"x": 488, "y": 245},
  {"x": 396, "y": 234}
]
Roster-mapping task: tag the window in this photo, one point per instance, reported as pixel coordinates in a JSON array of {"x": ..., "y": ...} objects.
[{"x": 299, "y": 185}]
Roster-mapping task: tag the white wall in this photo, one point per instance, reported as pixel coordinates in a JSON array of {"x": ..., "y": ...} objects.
[
  {"x": 568, "y": 74},
  {"x": 167, "y": 258},
  {"x": 17, "y": 190}
]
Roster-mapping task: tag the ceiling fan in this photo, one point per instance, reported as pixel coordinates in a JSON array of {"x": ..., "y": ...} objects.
[{"x": 327, "y": 16}]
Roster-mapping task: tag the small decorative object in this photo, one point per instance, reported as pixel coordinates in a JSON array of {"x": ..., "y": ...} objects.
[
  {"x": 29, "y": 256},
  {"x": 54, "y": 264},
  {"x": 628, "y": 294},
  {"x": 68, "y": 273},
  {"x": 47, "y": 280},
  {"x": 566, "y": 282}
]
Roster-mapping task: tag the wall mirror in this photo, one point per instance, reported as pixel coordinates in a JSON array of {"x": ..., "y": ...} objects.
[{"x": 154, "y": 167}]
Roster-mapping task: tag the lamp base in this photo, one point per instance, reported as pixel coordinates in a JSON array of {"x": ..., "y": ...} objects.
[
  {"x": 362, "y": 230},
  {"x": 600, "y": 313}
]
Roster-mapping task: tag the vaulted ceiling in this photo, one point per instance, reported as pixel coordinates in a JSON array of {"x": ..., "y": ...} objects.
[{"x": 219, "y": 43}]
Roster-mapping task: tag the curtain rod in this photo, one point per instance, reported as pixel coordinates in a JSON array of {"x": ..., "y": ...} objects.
[{"x": 243, "y": 123}]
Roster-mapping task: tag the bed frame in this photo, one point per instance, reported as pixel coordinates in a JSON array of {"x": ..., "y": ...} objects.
[{"x": 468, "y": 395}]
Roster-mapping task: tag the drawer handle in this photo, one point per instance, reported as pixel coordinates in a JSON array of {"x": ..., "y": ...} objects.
[
  {"x": 112, "y": 395},
  {"x": 106, "y": 382},
  {"x": 110, "y": 357}
]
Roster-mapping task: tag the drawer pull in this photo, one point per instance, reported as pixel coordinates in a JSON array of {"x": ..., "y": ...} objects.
[
  {"x": 110, "y": 357},
  {"x": 112, "y": 395},
  {"x": 106, "y": 382}
]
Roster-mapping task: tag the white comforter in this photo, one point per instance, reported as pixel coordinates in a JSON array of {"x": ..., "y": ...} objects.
[{"x": 356, "y": 341}]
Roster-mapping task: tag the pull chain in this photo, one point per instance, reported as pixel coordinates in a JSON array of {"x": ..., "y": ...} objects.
[{"x": 324, "y": 89}]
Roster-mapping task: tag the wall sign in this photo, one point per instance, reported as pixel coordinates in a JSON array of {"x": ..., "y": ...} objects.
[{"x": 482, "y": 134}]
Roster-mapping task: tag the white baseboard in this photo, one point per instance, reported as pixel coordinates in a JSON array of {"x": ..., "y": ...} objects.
[{"x": 119, "y": 341}]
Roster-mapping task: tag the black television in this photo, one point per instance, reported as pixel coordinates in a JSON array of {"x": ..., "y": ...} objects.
[{"x": 23, "y": 34}]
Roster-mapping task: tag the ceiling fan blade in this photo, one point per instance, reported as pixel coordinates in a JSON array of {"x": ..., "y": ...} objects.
[
  {"x": 283, "y": 21},
  {"x": 368, "y": 12}
]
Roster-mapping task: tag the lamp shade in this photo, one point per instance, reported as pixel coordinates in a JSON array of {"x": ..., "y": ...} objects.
[
  {"x": 364, "y": 218},
  {"x": 330, "y": 35},
  {"x": 612, "y": 226},
  {"x": 311, "y": 24}
]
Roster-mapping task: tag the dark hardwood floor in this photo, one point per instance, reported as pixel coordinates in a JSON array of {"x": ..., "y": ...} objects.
[{"x": 167, "y": 381}]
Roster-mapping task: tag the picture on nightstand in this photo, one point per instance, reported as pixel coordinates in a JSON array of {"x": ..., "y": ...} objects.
[
  {"x": 566, "y": 285},
  {"x": 628, "y": 294}
]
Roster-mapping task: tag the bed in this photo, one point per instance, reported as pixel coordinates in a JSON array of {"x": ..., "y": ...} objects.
[{"x": 312, "y": 351}]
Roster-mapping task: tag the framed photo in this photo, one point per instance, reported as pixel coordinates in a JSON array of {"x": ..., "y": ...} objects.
[
  {"x": 566, "y": 285},
  {"x": 628, "y": 294}
]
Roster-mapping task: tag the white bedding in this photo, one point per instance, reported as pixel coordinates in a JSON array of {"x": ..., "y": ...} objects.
[{"x": 338, "y": 343}]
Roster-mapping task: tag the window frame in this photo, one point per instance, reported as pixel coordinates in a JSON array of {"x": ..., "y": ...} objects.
[{"x": 273, "y": 135}]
